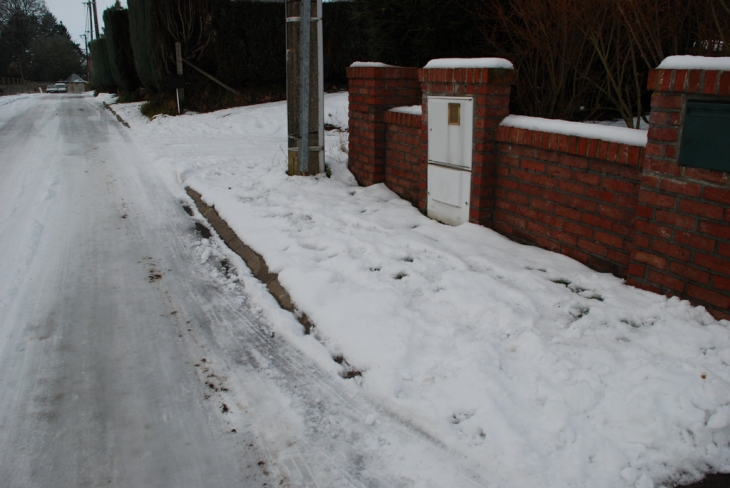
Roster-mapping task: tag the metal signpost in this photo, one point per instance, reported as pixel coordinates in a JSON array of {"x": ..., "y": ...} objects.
[{"x": 179, "y": 65}]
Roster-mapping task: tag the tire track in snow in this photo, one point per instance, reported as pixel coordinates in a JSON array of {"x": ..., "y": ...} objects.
[{"x": 339, "y": 418}]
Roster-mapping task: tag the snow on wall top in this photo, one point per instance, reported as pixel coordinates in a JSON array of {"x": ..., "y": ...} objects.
[
  {"x": 469, "y": 63},
  {"x": 695, "y": 62},
  {"x": 622, "y": 135},
  {"x": 413, "y": 110},
  {"x": 371, "y": 64}
]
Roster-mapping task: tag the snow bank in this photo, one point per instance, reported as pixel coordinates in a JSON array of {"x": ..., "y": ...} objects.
[
  {"x": 469, "y": 63},
  {"x": 695, "y": 62},
  {"x": 413, "y": 110},
  {"x": 542, "y": 371},
  {"x": 8, "y": 99},
  {"x": 371, "y": 64},
  {"x": 623, "y": 135}
]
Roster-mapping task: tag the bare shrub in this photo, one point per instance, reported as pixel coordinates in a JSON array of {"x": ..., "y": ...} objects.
[
  {"x": 544, "y": 42},
  {"x": 187, "y": 22},
  {"x": 596, "y": 54}
]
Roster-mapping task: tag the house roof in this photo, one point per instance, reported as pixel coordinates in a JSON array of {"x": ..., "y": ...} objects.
[{"x": 74, "y": 78}]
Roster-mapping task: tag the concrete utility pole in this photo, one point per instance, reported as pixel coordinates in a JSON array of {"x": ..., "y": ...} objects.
[
  {"x": 96, "y": 19},
  {"x": 305, "y": 87},
  {"x": 90, "y": 18},
  {"x": 86, "y": 53}
]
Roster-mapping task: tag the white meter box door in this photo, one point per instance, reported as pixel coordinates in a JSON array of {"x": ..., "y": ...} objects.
[
  {"x": 449, "y": 194},
  {"x": 450, "y": 143},
  {"x": 451, "y": 130}
]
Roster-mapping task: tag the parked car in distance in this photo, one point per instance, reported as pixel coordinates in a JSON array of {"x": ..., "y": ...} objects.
[{"x": 57, "y": 88}]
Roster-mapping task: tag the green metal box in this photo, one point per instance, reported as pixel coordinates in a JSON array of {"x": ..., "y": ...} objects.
[{"x": 706, "y": 135}]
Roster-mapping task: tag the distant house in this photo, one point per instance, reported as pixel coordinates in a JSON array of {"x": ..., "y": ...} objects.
[{"x": 75, "y": 84}]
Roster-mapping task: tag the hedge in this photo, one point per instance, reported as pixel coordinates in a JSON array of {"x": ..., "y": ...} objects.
[
  {"x": 121, "y": 58},
  {"x": 344, "y": 40},
  {"x": 146, "y": 39},
  {"x": 101, "y": 73},
  {"x": 412, "y": 32},
  {"x": 249, "y": 45}
]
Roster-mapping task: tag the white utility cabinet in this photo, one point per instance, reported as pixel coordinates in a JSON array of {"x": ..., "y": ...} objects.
[{"x": 450, "y": 145}]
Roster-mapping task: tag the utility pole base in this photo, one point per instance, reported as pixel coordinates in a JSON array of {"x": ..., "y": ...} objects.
[
  {"x": 293, "y": 166},
  {"x": 305, "y": 87}
]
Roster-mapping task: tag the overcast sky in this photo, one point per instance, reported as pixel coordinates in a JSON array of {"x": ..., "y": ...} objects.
[{"x": 73, "y": 15}]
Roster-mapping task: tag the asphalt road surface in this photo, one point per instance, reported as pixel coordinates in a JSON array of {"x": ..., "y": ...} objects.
[
  {"x": 96, "y": 385},
  {"x": 126, "y": 361}
]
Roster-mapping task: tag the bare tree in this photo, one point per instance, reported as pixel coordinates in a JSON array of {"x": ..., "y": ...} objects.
[
  {"x": 187, "y": 22},
  {"x": 657, "y": 28},
  {"x": 19, "y": 26},
  {"x": 546, "y": 45},
  {"x": 644, "y": 32},
  {"x": 620, "y": 73},
  {"x": 29, "y": 8},
  {"x": 713, "y": 22},
  {"x": 596, "y": 53}
]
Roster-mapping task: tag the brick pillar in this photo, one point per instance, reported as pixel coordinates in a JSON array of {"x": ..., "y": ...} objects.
[
  {"x": 375, "y": 88},
  {"x": 681, "y": 235},
  {"x": 491, "y": 88}
]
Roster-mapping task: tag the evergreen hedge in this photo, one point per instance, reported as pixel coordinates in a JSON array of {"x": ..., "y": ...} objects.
[
  {"x": 147, "y": 38},
  {"x": 121, "y": 58},
  {"x": 101, "y": 73},
  {"x": 344, "y": 40},
  {"x": 412, "y": 32},
  {"x": 249, "y": 45},
  {"x": 250, "y": 41}
]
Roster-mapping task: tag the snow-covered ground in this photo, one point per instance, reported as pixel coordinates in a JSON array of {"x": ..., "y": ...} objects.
[
  {"x": 541, "y": 371},
  {"x": 99, "y": 316}
]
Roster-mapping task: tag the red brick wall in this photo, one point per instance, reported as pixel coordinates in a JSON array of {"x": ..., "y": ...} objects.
[
  {"x": 374, "y": 90},
  {"x": 491, "y": 88},
  {"x": 681, "y": 238},
  {"x": 405, "y": 156},
  {"x": 636, "y": 213},
  {"x": 572, "y": 195}
]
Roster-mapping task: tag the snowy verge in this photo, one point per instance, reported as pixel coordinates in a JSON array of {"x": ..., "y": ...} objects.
[
  {"x": 695, "y": 62},
  {"x": 622, "y": 135},
  {"x": 9, "y": 105},
  {"x": 545, "y": 372}
]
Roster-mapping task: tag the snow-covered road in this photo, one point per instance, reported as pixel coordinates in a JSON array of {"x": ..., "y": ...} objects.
[
  {"x": 125, "y": 360},
  {"x": 137, "y": 351},
  {"x": 96, "y": 385}
]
